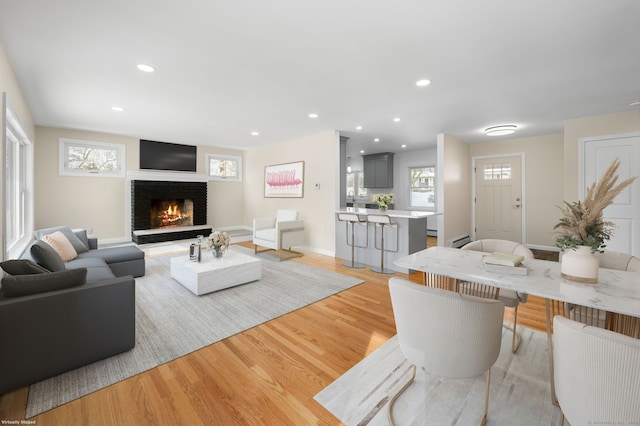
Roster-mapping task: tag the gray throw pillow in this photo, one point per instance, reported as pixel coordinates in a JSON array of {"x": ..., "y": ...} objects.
[
  {"x": 46, "y": 256},
  {"x": 22, "y": 267},
  {"x": 76, "y": 242},
  {"x": 23, "y": 285},
  {"x": 82, "y": 236}
]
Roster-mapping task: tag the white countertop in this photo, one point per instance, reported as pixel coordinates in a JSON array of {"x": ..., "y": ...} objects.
[
  {"x": 616, "y": 291},
  {"x": 406, "y": 214}
]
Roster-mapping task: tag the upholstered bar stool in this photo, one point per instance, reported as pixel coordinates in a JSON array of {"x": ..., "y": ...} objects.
[
  {"x": 354, "y": 220},
  {"x": 381, "y": 221}
]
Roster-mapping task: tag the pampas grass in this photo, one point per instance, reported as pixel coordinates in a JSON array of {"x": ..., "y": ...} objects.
[{"x": 583, "y": 224}]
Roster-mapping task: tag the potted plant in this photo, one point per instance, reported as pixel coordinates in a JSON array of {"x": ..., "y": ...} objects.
[
  {"x": 583, "y": 231},
  {"x": 384, "y": 201}
]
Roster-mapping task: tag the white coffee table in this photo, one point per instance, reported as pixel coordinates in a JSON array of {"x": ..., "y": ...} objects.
[{"x": 211, "y": 274}]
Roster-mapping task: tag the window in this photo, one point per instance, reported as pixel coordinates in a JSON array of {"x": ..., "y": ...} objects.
[
  {"x": 423, "y": 187},
  {"x": 89, "y": 158},
  {"x": 18, "y": 197},
  {"x": 355, "y": 185},
  {"x": 224, "y": 167},
  {"x": 497, "y": 172}
]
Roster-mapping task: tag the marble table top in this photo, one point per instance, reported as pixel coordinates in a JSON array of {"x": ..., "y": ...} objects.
[{"x": 615, "y": 291}]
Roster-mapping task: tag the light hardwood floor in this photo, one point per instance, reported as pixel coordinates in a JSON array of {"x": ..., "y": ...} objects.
[{"x": 267, "y": 375}]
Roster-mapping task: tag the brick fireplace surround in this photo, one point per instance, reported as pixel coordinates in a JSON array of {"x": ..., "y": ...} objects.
[{"x": 144, "y": 191}]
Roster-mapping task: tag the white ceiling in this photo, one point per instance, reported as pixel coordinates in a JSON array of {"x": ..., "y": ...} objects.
[{"x": 227, "y": 68}]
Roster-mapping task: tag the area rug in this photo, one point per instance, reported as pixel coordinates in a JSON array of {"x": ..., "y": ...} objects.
[
  {"x": 520, "y": 392},
  {"x": 172, "y": 322}
]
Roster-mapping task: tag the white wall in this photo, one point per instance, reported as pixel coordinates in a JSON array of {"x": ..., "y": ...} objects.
[
  {"x": 454, "y": 189},
  {"x": 543, "y": 169},
  {"x": 100, "y": 203},
  {"x": 320, "y": 154}
]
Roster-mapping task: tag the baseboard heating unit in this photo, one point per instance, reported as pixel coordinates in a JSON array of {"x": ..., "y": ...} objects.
[{"x": 462, "y": 241}]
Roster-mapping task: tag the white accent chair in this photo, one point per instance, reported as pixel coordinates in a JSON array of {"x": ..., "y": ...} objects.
[
  {"x": 596, "y": 374},
  {"x": 448, "y": 334},
  {"x": 279, "y": 233},
  {"x": 511, "y": 299}
]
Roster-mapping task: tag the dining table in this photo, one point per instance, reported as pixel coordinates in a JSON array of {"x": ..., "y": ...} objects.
[{"x": 615, "y": 292}]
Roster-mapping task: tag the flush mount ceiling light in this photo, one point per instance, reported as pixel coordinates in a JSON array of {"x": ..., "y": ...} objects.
[
  {"x": 634, "y": 104},
  {"x": 504, "y": 129},
  {"x": 313, "y": 115},
  {"x": 146, "y": 68},
  {"x": 423, "y": 82}
]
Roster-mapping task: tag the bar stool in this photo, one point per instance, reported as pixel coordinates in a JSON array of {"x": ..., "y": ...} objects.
[
  {"x": 382, "y": 220},
  {"x": 353, "y": 219}
]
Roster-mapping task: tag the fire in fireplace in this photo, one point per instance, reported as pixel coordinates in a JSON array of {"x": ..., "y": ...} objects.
[{"x": 169, "y": 213}]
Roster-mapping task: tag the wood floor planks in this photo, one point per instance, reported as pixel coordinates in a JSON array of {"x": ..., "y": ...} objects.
[{"x": 267, "y": 375}]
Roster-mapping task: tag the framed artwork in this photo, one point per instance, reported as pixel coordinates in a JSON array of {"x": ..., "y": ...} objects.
[{"x": 284, "y": 180}]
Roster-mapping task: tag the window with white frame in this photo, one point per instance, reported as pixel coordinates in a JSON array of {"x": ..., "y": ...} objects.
[
  {"x": 224, "y": 167},
  {"x": 355, "y": 185},
  {"x": 91, "y": 158},
  {"x": 423, "y": 187},
  {"x": 18, "y": 193}
]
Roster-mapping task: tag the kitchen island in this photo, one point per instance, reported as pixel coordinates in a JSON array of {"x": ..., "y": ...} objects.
[{"x": 411, "y": 236}]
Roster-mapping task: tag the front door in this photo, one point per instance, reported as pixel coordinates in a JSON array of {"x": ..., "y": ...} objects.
[
  {"x": 498, "y": 198},
  {"x": 599, "y": 153}
]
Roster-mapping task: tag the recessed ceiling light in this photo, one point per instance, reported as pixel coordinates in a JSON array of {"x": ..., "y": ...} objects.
[
  {"x": 376, "y": 140},
  {"x": 358, "y": 127},
  {"x": 313, "y": 115},
  {"x": 146, "y": 68},
  {"x": 403, "y": 146},
  {"x": 255, "y": 133},
  {"x": 396, "y": 120},
  {"x": 504, "y": 129},
  {"x": 362, "y": 151},
  {"x": 117, "y": 108},
  {"x": 423, "y": 83}
]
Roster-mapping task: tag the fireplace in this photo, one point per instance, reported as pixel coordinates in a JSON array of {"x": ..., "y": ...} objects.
[{"x": 166, "y": 210}]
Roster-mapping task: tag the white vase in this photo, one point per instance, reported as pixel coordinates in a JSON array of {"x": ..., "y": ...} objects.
[{"x": 580, "y": 265}]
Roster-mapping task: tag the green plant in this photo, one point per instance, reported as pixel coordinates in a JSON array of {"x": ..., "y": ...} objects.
[{"x": 583, "y": 223}]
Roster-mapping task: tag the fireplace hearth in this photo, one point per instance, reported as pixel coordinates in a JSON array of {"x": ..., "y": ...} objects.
[{"x": 167, "y": 210}]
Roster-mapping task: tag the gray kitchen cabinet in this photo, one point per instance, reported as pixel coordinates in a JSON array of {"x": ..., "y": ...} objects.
[{"x": 378, "y": 170}]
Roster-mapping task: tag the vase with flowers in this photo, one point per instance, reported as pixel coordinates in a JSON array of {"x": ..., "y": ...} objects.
[
  {"x": 384, "y": 201},
  {"x": 218, "y": 243},
  {"x": 583, "y": 231}
]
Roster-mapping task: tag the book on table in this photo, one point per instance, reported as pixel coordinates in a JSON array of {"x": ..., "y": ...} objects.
[
  {"x": 504, "y": 259},
  {"x": 519, "y": 269}
]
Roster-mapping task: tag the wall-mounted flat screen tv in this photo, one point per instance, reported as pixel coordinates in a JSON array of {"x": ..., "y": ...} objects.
[{"x": 167, "y": 156}]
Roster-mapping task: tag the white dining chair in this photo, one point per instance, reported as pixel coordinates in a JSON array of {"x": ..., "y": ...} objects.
[
  {"x": 595, "y": 374},
  {"x": 511, "y": 299},
  {"x": 449, "y": 334}
]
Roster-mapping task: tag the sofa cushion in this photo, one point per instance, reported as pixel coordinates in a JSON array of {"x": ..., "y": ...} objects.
[
  {"x": 61, "y": 245},
  {"x": 22, "y": 267},
  {"x": 23, "y": 285},
  {"x": 97, "y": 269},
  {"x": 76, "y": 241},
  {"x": 46, "y": 256},
  {"x": 114, "y": 254}
]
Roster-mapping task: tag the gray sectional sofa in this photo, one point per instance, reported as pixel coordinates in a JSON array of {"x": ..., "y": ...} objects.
[{"x": 56, "y": 316}]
